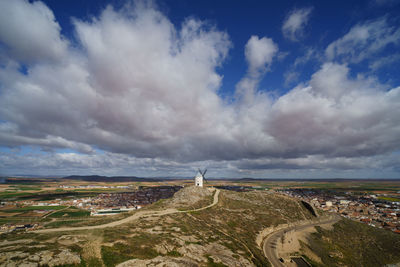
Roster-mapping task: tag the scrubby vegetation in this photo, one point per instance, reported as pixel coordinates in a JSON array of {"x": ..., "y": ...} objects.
[
  {"x": 354, "y": 244},
  {"x": 112, "y": 256}
]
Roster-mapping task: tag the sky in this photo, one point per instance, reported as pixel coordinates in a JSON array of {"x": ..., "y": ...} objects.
[{"x": 291, "y": 89}]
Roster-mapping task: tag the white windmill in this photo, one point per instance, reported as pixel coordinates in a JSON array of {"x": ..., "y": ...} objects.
[{"x": 198, "y": 179}]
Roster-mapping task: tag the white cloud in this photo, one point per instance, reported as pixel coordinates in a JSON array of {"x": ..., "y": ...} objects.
[
  {"x": 363, "y": 41},
  {"x": 259, "y": 53},
  {"x": 331, "y": 82},
  {"x": 152, "y": 99},
  {"x": 310, "y": 54},
  {"x": 294, "y": 70},
  {"x": 30, "y": 32},
  {"x": 127, "y": 90},
  {"x": 383, "y": 62},
  {"x": 291, "y": 77},
  {"x": 336, "y": 116},
  {"x": 294, "y": 24}
]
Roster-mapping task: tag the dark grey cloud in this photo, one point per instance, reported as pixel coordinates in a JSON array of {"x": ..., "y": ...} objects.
[{"x": 107, "y": 163}]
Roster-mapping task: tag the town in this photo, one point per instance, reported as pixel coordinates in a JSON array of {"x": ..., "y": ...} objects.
[
  {"x": 100, "y": 205},
  {"x": 109, "y": 203},
  {"x": 374, "y": 210}
]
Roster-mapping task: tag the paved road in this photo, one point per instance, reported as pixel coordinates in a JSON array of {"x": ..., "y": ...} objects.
[
  {"x": 271, "y": 242},
  {"x": 137, "y": 215}
]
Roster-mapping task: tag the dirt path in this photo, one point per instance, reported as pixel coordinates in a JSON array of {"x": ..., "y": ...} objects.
[
  {"x": 271, "y": 242},
  {"x": 137, "y": 215}
]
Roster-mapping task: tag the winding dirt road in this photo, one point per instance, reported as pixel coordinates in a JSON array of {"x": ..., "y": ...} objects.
[
  {"x": 270, "y": 243},
  {"x": 137, "y": 215}
]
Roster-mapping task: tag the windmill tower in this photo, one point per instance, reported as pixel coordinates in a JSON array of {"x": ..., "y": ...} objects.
[{"x": 198, "y": 179}]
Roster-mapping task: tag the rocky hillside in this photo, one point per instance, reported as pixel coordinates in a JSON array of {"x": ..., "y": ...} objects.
[
  {"x": 351, "y": 243},
  {"x": 190, "y": 196}
]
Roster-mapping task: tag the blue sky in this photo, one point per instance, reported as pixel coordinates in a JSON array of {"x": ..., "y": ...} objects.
[{"x": 303, "y": 89}]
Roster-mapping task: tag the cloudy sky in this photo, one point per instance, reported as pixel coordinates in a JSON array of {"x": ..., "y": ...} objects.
[{"x": 247, "y": 89}]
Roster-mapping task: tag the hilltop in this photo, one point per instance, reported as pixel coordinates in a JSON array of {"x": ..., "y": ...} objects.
[{"x": 190, "y": 196}]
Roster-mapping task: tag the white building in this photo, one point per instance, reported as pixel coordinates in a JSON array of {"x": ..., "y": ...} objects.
[{"x": 198, "y": 180}]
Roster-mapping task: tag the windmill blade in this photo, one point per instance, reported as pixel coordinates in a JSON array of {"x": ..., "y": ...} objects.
[
  {"x": 204, "y": 172},
  {"x": 200, "y": 171}
]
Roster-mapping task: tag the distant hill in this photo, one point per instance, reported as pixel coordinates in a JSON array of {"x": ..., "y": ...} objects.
[
  {"x": 98, "y": 178},
  {"x": 27, "y": 180}
]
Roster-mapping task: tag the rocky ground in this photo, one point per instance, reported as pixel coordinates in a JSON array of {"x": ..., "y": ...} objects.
[
  {"x": 189, "y": 196},
  {"x": 194, "y": 255},
  {"x": 42, "y": 258}
]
